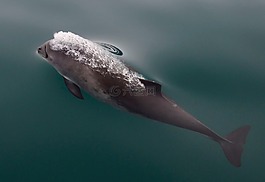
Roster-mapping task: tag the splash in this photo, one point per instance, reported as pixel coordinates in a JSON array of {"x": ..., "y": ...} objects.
[{"x": 95, "y": 56}]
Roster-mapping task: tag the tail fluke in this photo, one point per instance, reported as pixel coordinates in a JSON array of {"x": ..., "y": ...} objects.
[{"x": 233, "y": 149}]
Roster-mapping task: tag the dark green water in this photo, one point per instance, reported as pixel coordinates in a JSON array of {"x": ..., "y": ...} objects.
[{"x": 208, "y": 55}]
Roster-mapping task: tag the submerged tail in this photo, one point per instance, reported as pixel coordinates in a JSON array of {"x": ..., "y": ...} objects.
[{"x": 233, "y": 149}]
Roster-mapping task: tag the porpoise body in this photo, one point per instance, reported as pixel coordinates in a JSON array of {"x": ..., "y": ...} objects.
[{"x": 98, "y": 69}]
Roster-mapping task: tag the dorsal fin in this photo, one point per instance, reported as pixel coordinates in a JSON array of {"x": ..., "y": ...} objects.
[
  {"x": 111, "y": 48},
  {"x": 152, "y": 86}
]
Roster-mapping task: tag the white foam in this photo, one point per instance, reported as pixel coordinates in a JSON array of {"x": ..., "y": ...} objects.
[{"x": 94, "y": 56}]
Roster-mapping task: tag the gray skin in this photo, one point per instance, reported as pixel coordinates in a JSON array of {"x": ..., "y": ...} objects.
[{"x": 154, "y": 106}]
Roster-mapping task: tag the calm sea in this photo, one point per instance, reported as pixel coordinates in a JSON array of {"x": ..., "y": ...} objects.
[{"x": 209, "y": 55}]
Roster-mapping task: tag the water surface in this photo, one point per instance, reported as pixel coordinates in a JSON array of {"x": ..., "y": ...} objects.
[{"x": 208, "y": 55}]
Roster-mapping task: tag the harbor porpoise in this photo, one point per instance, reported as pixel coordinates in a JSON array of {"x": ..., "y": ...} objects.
[{"x": 98, "y": 69}]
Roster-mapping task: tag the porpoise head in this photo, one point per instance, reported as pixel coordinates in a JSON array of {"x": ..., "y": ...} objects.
[
  {"x": 56, "y": 58},
  {"x": 50, "y": 55}
]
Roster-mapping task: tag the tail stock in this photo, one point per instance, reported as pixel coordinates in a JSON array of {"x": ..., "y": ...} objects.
[{"x": 233, "y": 149}]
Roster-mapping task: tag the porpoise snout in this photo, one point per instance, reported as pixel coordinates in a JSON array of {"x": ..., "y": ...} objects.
[{"x": 42, "y": 51}]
